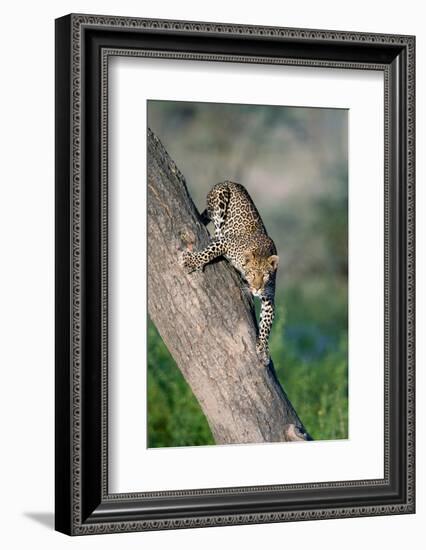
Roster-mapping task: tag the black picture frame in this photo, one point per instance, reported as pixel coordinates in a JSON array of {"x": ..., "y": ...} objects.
[{"x": 83, "y": 504}]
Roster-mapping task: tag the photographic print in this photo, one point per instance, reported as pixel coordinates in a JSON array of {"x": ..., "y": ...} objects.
[{"x": 247, "y": 273}]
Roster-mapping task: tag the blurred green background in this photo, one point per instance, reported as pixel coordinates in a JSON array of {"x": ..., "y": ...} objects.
[{"x": 294, "y": 163}]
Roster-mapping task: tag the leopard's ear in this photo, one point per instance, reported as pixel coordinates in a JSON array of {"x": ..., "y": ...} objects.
[
  {"x": 274, "y": 261},
  {"x": 248, "y": 257}
]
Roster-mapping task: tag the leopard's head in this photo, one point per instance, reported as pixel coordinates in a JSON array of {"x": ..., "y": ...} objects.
[{"x": 258, "y": 270}]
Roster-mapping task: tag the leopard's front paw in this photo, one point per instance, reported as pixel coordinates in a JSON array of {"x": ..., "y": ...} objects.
[
  {"x": 186, "y": 260},
  {"x": 263, "y": 353}
]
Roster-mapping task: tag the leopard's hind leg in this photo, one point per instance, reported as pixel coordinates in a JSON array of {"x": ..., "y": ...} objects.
[{"x": 217, "y": 206}]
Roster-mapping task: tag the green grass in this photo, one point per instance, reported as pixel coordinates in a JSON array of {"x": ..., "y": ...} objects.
[
  {"x": 310, "y": 357},
  {"x": 312, "y": 368},
  {"x": 174, "y": 415}
]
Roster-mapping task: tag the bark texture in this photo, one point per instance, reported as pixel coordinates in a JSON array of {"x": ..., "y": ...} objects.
[{"x": 207, "y": 322}]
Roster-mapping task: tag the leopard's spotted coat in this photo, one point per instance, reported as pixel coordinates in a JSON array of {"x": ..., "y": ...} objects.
[{"x": 241, "y": 237}]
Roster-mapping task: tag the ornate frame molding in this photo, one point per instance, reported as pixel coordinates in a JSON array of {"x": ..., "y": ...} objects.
[{"x": 74, "y": 504}]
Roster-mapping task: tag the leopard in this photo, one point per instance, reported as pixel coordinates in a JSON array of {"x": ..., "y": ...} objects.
[{"x": 241, "y": 237}]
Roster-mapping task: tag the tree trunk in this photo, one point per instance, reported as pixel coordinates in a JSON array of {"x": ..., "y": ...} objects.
[{"x": 207, "y": 323}]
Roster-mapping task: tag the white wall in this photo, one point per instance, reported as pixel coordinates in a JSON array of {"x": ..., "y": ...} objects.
[{"x": 26, "y": 301}]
